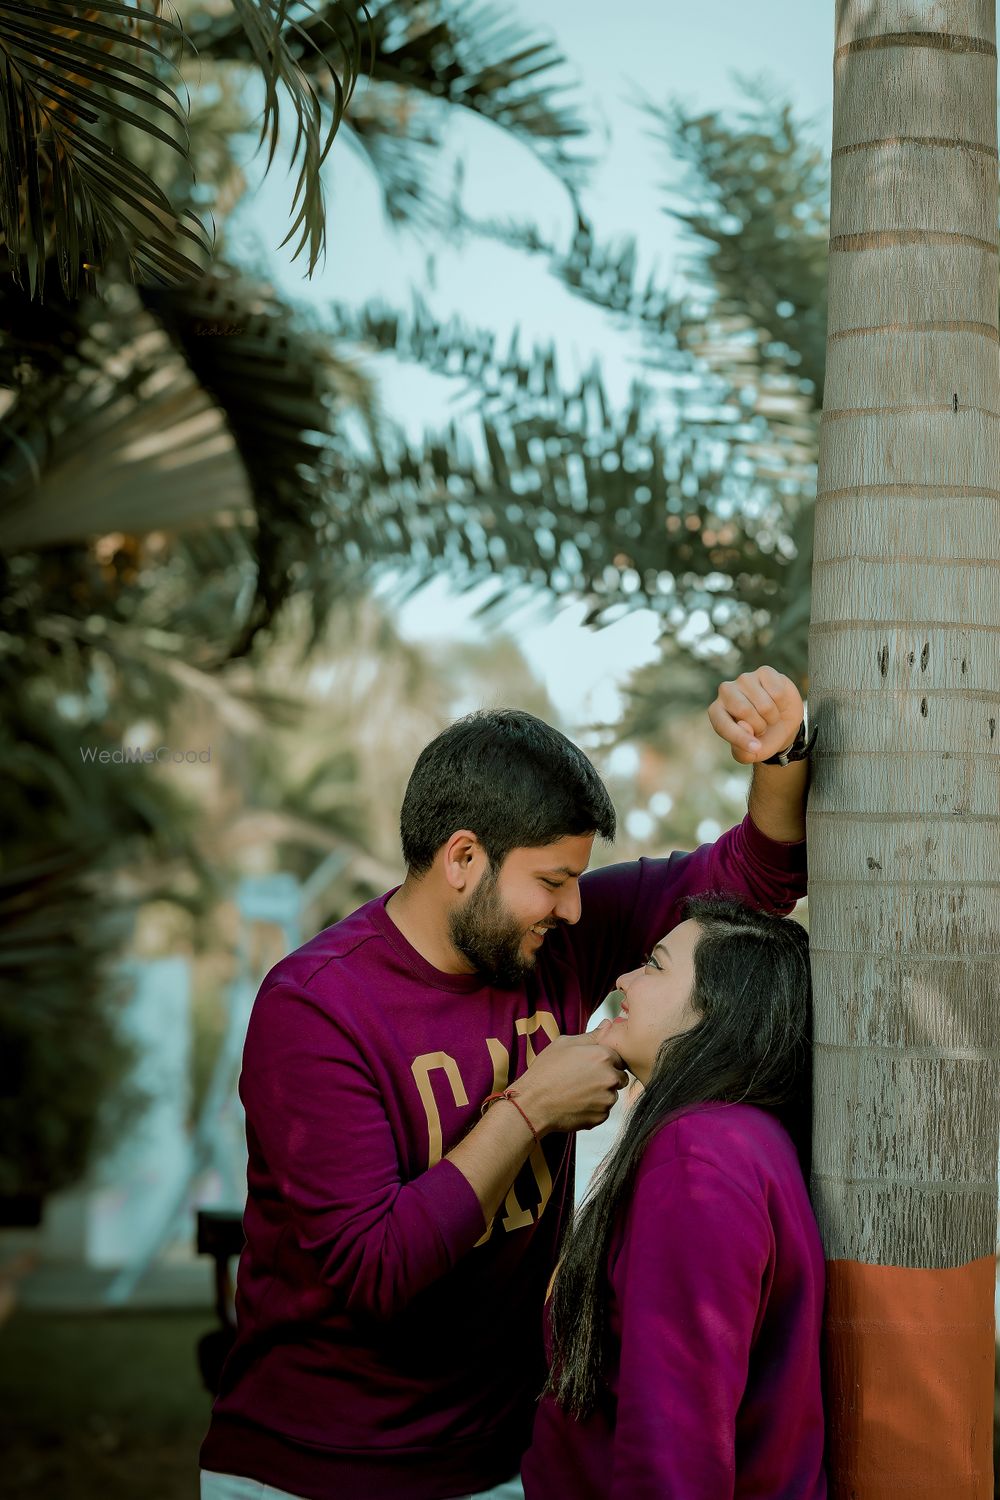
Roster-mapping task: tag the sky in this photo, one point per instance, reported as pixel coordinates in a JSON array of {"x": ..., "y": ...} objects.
[{"x": 657, "y": 50}]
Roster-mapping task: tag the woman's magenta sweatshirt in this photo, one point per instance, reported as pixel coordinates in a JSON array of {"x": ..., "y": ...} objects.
[{"x": 716, "y": 1274}]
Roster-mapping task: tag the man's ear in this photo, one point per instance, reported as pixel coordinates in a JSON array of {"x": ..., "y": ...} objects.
[{"x": 462, "y": 857}]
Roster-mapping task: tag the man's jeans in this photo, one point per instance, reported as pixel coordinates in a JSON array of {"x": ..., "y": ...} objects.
[{"x": 234, "y": 1487}]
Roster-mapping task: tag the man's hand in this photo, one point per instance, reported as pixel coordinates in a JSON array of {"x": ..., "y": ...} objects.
[
  {"x": 573, "y": 1084},
  {"x": 758, "y": 715}
]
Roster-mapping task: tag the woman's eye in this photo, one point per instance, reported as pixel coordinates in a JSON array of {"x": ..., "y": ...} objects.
[{"x": 649, "y": 960}]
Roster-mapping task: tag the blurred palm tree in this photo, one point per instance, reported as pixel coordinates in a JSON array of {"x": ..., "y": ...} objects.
[{"x": 696, "y": 503}]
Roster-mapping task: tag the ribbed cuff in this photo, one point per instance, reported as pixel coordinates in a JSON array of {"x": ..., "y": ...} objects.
[{"x": 773, "y": 852}]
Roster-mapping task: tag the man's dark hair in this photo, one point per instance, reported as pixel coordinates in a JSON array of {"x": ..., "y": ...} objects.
[{"x": 511, "y": 779}]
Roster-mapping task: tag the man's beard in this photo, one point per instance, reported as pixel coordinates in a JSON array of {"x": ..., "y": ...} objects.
[{"x": 486, "y": 932}]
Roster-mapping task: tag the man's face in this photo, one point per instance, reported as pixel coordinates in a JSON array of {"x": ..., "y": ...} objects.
[{"x": 502, "y": 922}]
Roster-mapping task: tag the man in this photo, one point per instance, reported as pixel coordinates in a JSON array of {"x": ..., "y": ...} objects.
[{"x": 399, "y": 1241}]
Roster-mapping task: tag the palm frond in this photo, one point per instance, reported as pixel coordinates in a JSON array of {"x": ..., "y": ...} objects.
[
  {"x": 738, "y": 372},
  {"x": 401, "y": 140},
  {"x": 471, "y": 55},
  {"x": 209, "y": 411},
  {"x": 120, "y": 405},
  {"x": 427, "y": 54},
  {"x": 760, "y": 225},
  {"x": 315, "y": 53},
  {"x": 553, "y": 489},
  {"x": 65, "y": 189},
  {"x": 287, "y": 51},
  {"x": 606, "y": 275},
  {"x": 283, "y": 392}
]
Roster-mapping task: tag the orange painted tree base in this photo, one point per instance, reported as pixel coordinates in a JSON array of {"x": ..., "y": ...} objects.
[{"x": 909, "y": 1381}]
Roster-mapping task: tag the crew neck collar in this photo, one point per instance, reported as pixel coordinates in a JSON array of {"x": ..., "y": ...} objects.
[{"x": 463, "y": 984}]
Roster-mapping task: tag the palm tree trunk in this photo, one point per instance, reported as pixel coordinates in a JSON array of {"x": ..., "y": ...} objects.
[{"x": 905, "y": 685}]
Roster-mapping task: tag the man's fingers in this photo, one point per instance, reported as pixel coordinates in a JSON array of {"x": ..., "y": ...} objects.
[
  {"x": 748, "y": 689},
  {"x": 739, "y": 707},
  {"x": 598, "y": 1035},
  {"x": 762, "y": 699},
  {"x": 736, "y": 731},
  {"x": 783, "y": 691}
]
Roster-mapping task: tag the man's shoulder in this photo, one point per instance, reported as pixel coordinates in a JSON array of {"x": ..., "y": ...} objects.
[{"x": 329, "y": 958}]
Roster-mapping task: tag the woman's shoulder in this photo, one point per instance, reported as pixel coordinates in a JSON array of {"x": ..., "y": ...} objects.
[{"x": 730, "y": 1137}]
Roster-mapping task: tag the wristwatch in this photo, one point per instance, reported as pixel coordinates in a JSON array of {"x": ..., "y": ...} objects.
[{"x": 797, "y": 750}]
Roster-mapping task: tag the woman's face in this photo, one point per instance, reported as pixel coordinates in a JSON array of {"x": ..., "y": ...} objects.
[{"x": 657, "y": 1002}]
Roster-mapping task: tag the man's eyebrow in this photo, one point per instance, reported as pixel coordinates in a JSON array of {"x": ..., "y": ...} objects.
[
  {"x": 562, "y": 870},
  {"x": 662, "y": 948}
]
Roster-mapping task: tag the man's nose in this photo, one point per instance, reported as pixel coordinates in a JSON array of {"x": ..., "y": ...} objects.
[{"x": 569, "y": 906}]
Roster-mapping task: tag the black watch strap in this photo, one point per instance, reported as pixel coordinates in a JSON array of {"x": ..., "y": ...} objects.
[{"x": 797, "y": 750}]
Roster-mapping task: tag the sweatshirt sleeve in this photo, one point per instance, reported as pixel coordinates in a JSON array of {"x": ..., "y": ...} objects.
[
  {"x": 627, "y": 908},
  {"x": 688, "y": 1281},
  {"x": 743, "y": 862},
  {"x": 319, "y": 1137}
]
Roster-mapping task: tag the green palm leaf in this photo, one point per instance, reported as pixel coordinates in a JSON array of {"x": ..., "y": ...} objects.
[
  {"x": 474, "y": 57},
  {"x": 65, "y": 188},
  {"x": 115, "y": 436},
  {"x": 70, "y": 92},
  {"x": 289, "y": 52},
  {"x": 761, "y": 224},
  {"x": 284, "y": 392},
  {"x": 578, "y": 500},
  {"x": 209, "y": 412},
  {"x": 625, "y": 509},
  {"x": 426, "y": 54}
]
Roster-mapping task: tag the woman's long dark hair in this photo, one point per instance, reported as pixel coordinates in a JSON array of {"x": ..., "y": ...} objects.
[{"x": 750, "y": 1045}]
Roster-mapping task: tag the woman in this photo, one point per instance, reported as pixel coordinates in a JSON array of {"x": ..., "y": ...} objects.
[{"x": 684, "y": 1318}]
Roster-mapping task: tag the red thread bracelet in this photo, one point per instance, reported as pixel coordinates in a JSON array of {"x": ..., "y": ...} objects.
[{"x": 508, "y": 1094}]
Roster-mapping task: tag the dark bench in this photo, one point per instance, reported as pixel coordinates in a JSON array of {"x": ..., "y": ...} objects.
[{"x": 220, "y": 1235}]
